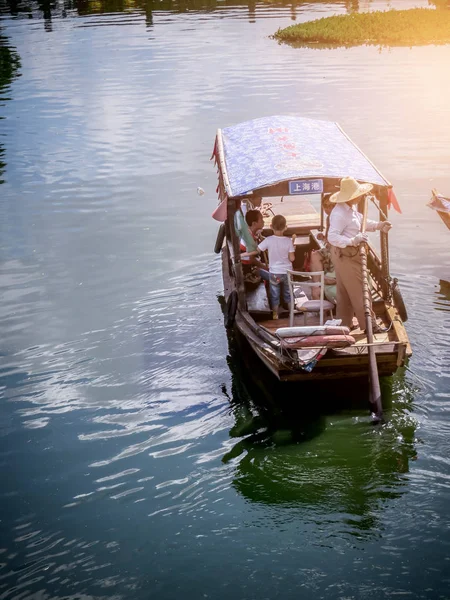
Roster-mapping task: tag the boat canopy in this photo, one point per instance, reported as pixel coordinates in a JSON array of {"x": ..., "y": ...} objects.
[{"x": 266, "y": 151}]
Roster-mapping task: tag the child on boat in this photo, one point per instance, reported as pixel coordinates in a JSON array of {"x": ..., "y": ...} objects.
[{"x": 281, "y": 256}]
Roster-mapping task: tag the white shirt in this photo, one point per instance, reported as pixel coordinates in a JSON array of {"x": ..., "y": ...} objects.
[
  {"x": 345, "y": 223},
  {"x": 279, "y": 248}
]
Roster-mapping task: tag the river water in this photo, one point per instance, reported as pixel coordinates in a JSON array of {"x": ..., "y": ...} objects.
[{"x": 138, "y": 459}]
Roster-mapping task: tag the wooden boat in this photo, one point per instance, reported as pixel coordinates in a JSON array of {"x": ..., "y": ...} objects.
[
  {"x": 441, "y": 205},
  {"x": 285, "y": 164}
]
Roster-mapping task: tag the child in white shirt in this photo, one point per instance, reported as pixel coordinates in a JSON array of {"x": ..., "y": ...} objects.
[{"x": 281, "y": 256}]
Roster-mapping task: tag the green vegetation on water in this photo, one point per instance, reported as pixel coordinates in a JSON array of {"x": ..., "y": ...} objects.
[{"x": 414, "y": 27}]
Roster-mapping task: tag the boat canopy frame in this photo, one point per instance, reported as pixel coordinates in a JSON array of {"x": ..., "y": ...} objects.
[{"x": 263, "y": 155}]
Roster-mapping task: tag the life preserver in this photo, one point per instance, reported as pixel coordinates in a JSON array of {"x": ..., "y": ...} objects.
[
  {"x": 323, "y": 341},
  {"x": 398, "y": 302},
  {"x": 230, "y": 309},
  {"x": 220, "y": 238}
]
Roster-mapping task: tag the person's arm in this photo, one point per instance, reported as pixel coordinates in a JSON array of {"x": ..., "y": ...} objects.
[
  {"x": 291, "y": 251},
  {"x": 371, "y": 225},
  {"x": 261, "y": 247},
  {"x": 249, "y": 254},
  {"x": 384, "y": 226},
  {"x": 258, "y": 263},
  {"x": 377, "y": 225}
]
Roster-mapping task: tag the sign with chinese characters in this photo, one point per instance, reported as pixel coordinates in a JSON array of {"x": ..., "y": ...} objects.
[{"x": 306, "y": 186}]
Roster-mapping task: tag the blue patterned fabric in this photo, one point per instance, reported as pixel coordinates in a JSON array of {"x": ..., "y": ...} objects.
[{"x": 273, "y": 149}]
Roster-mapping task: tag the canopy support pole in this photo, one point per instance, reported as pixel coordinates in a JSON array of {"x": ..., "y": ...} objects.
[{"x": 374, "y": 381}]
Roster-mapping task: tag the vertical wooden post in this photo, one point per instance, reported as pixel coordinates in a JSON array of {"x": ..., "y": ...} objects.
[
  {"x": 374, "y": 380},
  {"x": 321, "y": 213},
  {"x": 384, "y": 245}
]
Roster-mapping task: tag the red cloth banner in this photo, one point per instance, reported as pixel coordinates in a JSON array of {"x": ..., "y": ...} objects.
[{"x": 393, "y": 202}]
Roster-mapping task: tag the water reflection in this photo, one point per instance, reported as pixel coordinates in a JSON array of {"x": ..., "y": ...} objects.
[
  {"x": 90, "y": 7},
  {"x": 442, "y": 302},
  {"x": 295, "y": 450},
  {"x": 9, "y": 70},
  {"x": 48, "y": 9},
  {"x": 114, "y": 431}
]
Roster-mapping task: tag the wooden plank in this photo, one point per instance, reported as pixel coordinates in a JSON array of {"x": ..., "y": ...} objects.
[
  {"x": 292, "y": 205},
  {"x": 257, "y": 300},
  {"x": 272, "y": 325},
  {"x": 302, "y": 240},
  {"x": 445, "y": 217},
  {"x": 401, "y": 355},
  {"x": 349, "y": 372},
  {"x": 228, "y": 283},
  {"x": 222, "y": 163},
  {"x": 399, "y": 328},
  {"x": 380, "y": 348},
  {"x": 295, "y": 224},
  {"x": 299, "y": 212},
  {"x": 264, "y": 352}
]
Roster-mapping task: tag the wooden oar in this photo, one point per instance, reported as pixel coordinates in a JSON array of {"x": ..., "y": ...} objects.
[{"x": 374, "y": 380}]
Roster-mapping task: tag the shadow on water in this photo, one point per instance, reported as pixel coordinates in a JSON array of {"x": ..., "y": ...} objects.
[
  {"x": 9, "y": 70},
  {"x": 314, "y": 446}
]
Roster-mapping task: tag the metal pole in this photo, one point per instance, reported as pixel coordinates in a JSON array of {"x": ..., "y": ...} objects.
[{"x": 373, "y": 368}]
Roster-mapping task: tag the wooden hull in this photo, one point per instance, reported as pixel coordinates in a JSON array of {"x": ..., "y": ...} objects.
[
  {"x": 335, "y": 365},
  {"x": 445, "y": 218},
  {"x": 438, "y": 201}
]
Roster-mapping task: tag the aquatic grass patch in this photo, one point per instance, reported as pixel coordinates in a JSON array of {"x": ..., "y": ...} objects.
[{"x": 414, "y": 27}]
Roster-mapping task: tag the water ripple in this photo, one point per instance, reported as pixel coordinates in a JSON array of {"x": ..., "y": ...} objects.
[{"x": 130, "y": 434}]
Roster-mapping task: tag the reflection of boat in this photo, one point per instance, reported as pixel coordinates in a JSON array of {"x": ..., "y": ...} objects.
[
  {"x": 441, "y": 205},
  {"x": 444, "y": 288},
  {"x": 442, "y": 299},
  {"x": 299, "y": 454},
  {"x": 288, "y": 160}
]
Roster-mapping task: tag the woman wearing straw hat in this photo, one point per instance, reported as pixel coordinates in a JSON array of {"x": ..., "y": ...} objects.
[{"x": 345, "y": 236}]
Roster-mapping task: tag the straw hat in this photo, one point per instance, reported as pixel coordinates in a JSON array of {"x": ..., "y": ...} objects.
[{"x": 349, "y": 190}]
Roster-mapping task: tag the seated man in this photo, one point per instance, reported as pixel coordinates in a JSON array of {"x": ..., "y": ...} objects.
[{"x": 255, "y": 224}]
